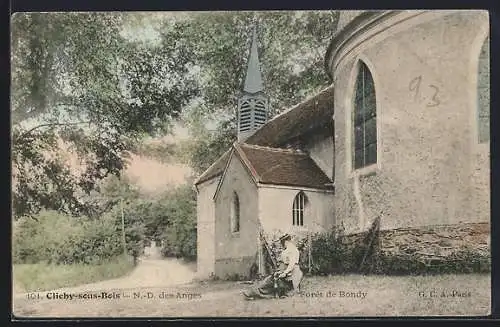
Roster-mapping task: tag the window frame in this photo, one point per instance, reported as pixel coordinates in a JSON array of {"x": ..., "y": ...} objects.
[
  {"x": 299, "y": 205},
  {"x": 361, "y": 68},
  {"x": 235, "y": 216}
]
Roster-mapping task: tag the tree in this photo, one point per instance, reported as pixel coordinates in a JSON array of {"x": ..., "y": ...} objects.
[
  {"x": 292, "y": 47},
  {"x": 178, "y": 231},
  {"x": 204, "y": 151},
  {"x": 76, "y": 79}
]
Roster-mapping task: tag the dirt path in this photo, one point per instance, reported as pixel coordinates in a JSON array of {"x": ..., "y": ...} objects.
[
  {"x": 162, "y": 288},
  {"x": 148, "y": 273},
  {"x": 151, "y": 271}
]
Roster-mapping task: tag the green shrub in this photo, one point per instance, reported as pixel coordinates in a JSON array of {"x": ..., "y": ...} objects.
[
  {"x": 57, "y": 238},
  {"x": 179, "y": 234},
  {"x": 60, "y": 239},
  {"x": 37, "y": 240},
  {"x": 330, "y": 255}
]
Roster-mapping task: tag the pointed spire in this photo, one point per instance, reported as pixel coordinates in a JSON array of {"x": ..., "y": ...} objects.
[{"x": 253, "y": 80}]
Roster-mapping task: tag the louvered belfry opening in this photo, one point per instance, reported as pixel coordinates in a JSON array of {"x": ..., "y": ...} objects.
[
  {"x": 253, "y": 104},
  {"x": 252, "y": 114}
]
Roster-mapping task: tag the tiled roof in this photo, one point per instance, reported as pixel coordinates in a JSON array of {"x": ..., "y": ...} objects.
[
  {"x": 282, "y": 166},
  {"x": 296, "y": 121},
  {"x": 215, "y": 169},
  {"x": 293, "y": 122}
]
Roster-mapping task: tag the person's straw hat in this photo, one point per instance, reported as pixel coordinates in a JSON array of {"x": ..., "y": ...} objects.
[{"x": 285, "y": 237}]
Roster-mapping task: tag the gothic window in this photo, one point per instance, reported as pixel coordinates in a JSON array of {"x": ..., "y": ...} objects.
[
  {"x": 299, "y": 204},
  {"x": 365, "y": 119},
  {"x": 235, "y": 214},
  {"x": 483, "y": 93}
]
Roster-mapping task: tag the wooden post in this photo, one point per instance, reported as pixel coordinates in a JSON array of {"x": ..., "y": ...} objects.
[
  {"x": 123, "y": 230},
  {"x": 259, "y": 253},
  {"x": 309, "y": 245}
]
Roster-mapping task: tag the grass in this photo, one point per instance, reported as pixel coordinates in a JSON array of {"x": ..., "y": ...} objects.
[
  {"x": 42, "y": 276},
  {"x": 384, "y": 296}
]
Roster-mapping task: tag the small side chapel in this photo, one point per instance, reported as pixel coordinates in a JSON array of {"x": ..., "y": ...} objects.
[
  {"x": 408, "y": 142},
  {"x": 276, "y": 178}
]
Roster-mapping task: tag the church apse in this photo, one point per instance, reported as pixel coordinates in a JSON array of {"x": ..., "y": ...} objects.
[{"x": 409, "y": 154}]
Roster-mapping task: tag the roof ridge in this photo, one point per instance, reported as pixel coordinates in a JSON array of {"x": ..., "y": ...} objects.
[
  {"x": 205, "y": 174},
  {"x": 239, "y": 150},
  {"x": 283, "y": 150},
  {"x": 308, "y": 98}
]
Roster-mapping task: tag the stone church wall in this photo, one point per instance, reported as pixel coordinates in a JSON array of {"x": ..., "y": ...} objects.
[
  {"x": 236, "y": 252},
  {"x": 320, "y": 147},
  {"x": 206, "y": 228},
  {"x": 430, "y": 167},
  {"x": 319, "y": 144},
  {"x": 275, "y": 211}
]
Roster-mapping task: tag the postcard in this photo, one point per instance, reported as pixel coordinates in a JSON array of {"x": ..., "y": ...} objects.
[{"x": 251, "y": 164}]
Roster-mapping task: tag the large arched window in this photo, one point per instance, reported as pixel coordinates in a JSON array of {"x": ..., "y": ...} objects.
[
  {"x": 299, "y": 204},
  {"x": 483, "y": 92},
  {"x": 365, "y": 119},
  {"x": 235, "y": 214}
]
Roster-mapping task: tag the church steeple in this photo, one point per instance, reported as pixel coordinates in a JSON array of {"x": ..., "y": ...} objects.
[
  {"x": 253, "y": 104},
  {"x": 253, "y": 80}
]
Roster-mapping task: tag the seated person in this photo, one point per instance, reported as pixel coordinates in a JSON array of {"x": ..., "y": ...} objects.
[{"x": 287, "y": 278}]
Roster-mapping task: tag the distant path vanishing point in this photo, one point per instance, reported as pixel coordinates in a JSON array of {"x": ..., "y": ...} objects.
[{"x": 151, "y": 271}]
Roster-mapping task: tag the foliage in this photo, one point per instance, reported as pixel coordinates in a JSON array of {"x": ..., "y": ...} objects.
[
  {"x": 60, "y": 239},
  {"x": 291, "y": 50},
  {"x": 179, "y": 234},
  {"x": 134, "y": 225},
  {"x": 35, "y": 240},
  {"x": 235, "y": 277},
  {"x": 76, "y": 79},
  {"x": 164, "y": 152},
  {"x": 291, "y": 44},
  {"x": 43, "y": 277},
  {"x": 169, "y": 217},
  {"x": 111, "y": 192},
  {"x": 79, "y": 81},
  {"x": 206, "y": 150},
  {"x": 329, "y": 253},
  {"x": 82, "y": 89}
]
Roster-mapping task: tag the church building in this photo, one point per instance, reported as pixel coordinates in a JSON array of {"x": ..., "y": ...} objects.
[{"x": 402, "y": 133}]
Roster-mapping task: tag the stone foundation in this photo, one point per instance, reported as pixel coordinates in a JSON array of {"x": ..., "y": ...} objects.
[
  {"x": 442, "y": 248},
  {"x": 234, "y": 268},
  {"x": 437, "y": 241}
]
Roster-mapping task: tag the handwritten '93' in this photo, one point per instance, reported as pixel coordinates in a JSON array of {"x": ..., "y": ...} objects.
[{"x": 415, "y": 86}]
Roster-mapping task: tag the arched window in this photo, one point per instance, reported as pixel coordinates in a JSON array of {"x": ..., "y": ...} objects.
[
  {"x": 299, "y": 204},
  {"x": 483, "y": 92},
  {"x": 235, "y": 214},
  {"x": 365, "y": 119}
]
